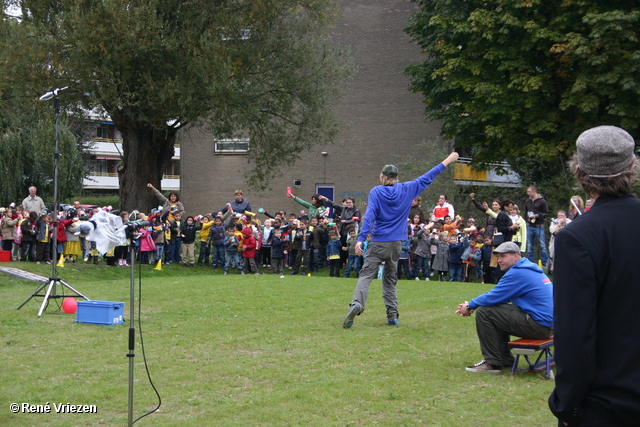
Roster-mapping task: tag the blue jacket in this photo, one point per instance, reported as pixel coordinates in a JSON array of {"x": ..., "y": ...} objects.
[
  {"x": 455, "y": 253},
  {"x": 389, "y": 205},
  {"x": 217, "y": 234},
  {"x": 526, "y": 286},
  {"x": 486, "y": 252},
  {"x": 406, "y": 247},
  {"x": 231, "y": 244},
  {"x": 333, "y": 247}
]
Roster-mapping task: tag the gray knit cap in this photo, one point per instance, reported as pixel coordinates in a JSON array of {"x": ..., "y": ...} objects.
[{"x": 605, "y": 151}]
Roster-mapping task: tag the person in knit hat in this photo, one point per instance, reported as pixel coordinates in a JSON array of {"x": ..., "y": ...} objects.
[
  {"x": 597, "y": 290},
  {"x": 386, "y": 220}
]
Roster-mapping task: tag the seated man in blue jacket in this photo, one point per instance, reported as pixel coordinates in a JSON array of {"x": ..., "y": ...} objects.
[{"x": 530, "y": 314}]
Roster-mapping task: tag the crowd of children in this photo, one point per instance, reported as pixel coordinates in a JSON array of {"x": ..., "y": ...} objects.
[{"x": 444, "y": 249}]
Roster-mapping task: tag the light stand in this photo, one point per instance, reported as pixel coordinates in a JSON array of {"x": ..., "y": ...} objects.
[
  {"x": 131, "y": 228},
  {"x": 51, "y": 291},
  {"x": 132, "y": 329}
]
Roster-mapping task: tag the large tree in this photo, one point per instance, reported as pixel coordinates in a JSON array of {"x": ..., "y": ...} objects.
[
  {"x": 27, "y": 135},
  {"x": 520, "y": 79},
  {"x": 261, "y": 69}
]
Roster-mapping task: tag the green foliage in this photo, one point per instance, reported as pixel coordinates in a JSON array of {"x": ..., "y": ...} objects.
[
  {"x": 410, "y": 168},
  {"x": 27, "y": 128},
  {"x": 113, "y": 201},
  {"x": 259, "y": 69},
  {"x": 552, "y": 178},
  {"x": 523, "y": 78},
  {"x": 27, "y": 158}
]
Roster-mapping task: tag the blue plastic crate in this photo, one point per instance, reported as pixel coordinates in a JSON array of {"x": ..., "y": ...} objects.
[{"x": 100, "y": 312}]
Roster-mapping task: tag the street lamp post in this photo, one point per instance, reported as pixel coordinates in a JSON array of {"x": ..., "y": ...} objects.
[{"x": 54, "y": 279}]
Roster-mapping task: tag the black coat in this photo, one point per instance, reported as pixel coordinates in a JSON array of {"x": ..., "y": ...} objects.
[
  {"x": 597, "y": 327},
  {"x": 277, "y": 247}
]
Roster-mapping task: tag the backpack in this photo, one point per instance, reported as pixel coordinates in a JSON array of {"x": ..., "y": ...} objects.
[
  {"x": 466, "y": 253},
  {"x": 477, "y": 256}
]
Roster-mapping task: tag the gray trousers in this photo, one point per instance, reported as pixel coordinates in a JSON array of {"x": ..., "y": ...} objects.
[
  {"x": 496, "y": 324},
  {"x": 378, "y": 252}
]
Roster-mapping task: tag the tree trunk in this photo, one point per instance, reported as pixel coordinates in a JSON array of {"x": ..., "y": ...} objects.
[{"x": 146, "y": 153}]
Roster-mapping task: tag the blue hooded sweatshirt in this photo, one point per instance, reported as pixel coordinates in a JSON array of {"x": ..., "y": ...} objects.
[
  {"x": 389, "y": 205},
  {"x": 526, "y": 286}
]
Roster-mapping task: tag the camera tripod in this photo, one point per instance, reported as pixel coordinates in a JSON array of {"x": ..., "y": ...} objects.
[{"x": 51, "y": 286}]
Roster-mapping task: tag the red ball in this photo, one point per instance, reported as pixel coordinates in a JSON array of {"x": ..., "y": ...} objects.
[{"x": 69, "y": 305}]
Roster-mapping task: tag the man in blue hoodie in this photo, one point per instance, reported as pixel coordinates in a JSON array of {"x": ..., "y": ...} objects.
[
  {"x": 530, "y": 314},
  {"x": 386, "y": 221}
]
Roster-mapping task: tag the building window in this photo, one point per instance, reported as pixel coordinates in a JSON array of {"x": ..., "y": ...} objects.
[
  {"x": 107, "y": 131},
  {"x": 234, "y": 145}
]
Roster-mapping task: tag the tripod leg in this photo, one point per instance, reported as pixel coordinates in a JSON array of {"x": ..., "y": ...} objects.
[
  {"x": 66, "y": 285},
  {"x": 32, "y": 295},
  {"x": 52, "y": 283}
]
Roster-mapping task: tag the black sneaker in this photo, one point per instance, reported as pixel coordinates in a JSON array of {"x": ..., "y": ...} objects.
[
  {"x": 354, "y": 310},
  {"x": 484, "y": 367}
]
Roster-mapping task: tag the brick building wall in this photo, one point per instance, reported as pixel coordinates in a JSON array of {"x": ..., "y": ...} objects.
[{"x": 383, "y": 119}]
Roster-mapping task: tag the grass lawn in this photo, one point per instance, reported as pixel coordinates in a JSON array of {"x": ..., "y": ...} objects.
[{"x": 255, "y": 351}]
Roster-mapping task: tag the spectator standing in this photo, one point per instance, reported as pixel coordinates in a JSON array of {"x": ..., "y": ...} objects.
[
  {"x": 316, "y": 207},
  {"x": 303, "y": 239},
  {"x": 403, "y": 261},
  {"x": 277, "y": 251},
  {"x": 249, "y": 252},
  {"x": 172, "y": 204},
  {"x": 421, "y": 247},
  {"x": 443, "y": 208},
  {"x": 537, "y": 211},
  {"x": 205, "y": 228},
  {"x": 488, "y": 271},
  {"x": 238, "y": 205},
  {"x": 28, "y": 227},
  {"x": 456, "y": 249},
  {"x": 43, "y": 224},
  {"x": 492, "y": 213},
  {"x": 265, "y": 248},
  {"x": 33, "y": 203},
  {"x": 231, "y": 247},
  {"x": 349, "y": 215},
  {"x": 216, "y": 243},
  {"x": 596, "y": 289},
  {"x": 519, "y": 228},
  {"x": 333, "y": 253},
  {"x": 188, "y": 237},
  {"x": 72, "y": 248},
  {"x": 8, "y": 225},
  {"x": 557, "y": 224},
  {"x": 576, "y": 207},
  {"x": 441, "y": 258},
  {"x": 319, "y": 243},
  {"x": 417, "y": 209},
  {"x": 353, "y": 263}
]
